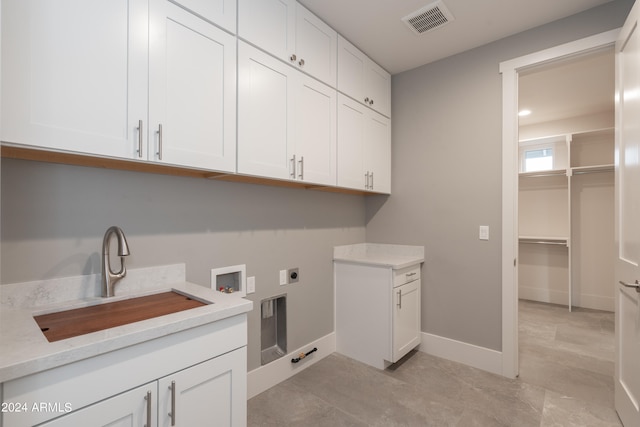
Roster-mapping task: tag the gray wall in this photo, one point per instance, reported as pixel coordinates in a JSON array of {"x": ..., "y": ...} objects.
[
  {"x": 54, "y": 217},
  {"x": 447, "y": 151}
]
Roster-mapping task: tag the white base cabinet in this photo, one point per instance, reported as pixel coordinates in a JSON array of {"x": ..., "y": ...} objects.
[
  {"x": 197, "y": 377},
  {"x": 377, "y": 312}
]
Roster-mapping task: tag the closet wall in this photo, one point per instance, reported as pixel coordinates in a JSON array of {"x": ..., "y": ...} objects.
[{"x": 566, "y": 221}]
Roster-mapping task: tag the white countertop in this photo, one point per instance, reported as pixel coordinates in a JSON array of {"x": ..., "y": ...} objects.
[
  {"x": 24, "y": 350},
  {"x": 382, "y": 255}
]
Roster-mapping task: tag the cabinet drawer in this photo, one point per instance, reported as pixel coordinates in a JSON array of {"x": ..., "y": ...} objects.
[{"x": 406, "y": 275}]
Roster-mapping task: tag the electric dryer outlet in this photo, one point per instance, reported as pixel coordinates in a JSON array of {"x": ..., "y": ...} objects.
[{"x": 293, "y": 275}]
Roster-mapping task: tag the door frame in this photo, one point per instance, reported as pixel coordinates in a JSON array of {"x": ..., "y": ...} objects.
[{"x": 510, "y": 167}]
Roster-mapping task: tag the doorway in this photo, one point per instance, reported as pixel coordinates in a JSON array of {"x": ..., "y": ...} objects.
[{"x": 511, "y": 72}]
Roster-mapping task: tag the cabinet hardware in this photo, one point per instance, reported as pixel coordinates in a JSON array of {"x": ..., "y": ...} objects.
[
  {"x": 366, "y": 100},
  {"x": 148, "y": 399},
  {"x": 301, "y": 164},
  {"x": 293, "y": 58},
  {"x": 411, "y": 274},
  {"x": 371, "y": 102},
  {"x": 139, "y": 138},
  {"x": 293, "y": 167},
  {"x": 635, "y": 286},
  {"x": 172, "y": 414},
  {"x": 160, "y": 141},
  {"x": 366, "y": 180},
  {"x": 371, "y": 175},
  {"x": 400, "y": 299},
  {"x": 301, "y": 63}
]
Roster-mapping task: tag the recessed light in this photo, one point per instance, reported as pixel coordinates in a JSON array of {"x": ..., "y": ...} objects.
[{"x": 523, "y": 113}]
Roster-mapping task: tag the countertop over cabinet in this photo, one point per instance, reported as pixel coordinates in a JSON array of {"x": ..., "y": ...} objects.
[
  {"x": 383, "y": 255},
  {"x": 24, "y": 350}
]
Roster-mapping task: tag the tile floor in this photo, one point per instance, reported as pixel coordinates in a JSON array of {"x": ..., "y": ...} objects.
[{"x": 566, "y": 379}]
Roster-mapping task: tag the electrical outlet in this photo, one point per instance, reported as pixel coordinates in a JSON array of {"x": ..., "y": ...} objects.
[
  {"x": 251, "y": 284},
  {"x": 283, "y": 277},
  {"x": 294, "y": 275}
]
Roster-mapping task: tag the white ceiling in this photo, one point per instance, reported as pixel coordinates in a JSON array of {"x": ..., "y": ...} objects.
[{"x": 375, "y": 26}]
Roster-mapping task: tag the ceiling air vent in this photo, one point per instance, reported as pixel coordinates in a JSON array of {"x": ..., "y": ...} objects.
[{"x": 428, "y": 18}]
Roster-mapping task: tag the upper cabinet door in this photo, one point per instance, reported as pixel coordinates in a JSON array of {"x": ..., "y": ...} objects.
[
  {"x": 315, "y": 136},
  {"x": 269, "y": 24},
  {"x": 362, "y": 79},
  {"x": 74, "y": 74},
  {"x": 192, "y": 104},
  {"x": 291, "y": 33},
  {"x": 316, "y": 46},
  {"x": 265, "y": 115},
  {"x": 219, "y": 12}
]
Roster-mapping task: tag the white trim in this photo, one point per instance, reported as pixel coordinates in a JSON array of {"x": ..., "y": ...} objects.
[
  {"x": 461, "y": 352},
  {"x": 509, "y": 70},
  {"x": 267, "y": 376}
]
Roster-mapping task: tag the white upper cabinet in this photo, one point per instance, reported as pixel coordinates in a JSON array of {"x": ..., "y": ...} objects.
[
  {"x": 74, "y": 74},
  {"x": 286, "y": 121},
  {"x": 219, "y": 12},
  {"x": 364, "y": 148},
  {"x": 119, "y": 78},
  {"x": 192, "y": 91},
  {"x": 362, "y": 79},
  {"x": 289, "y": 31}
]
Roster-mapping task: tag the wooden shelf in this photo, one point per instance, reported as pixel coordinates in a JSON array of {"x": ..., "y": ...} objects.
[
  {"x": 536, "y": 174},
  {"x": 592, "y": 169},
  {"x": 34, "y": 154}
]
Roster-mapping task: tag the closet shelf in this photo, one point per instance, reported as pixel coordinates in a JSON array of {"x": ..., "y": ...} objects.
[
  {"x": 592, "y": 169},
  {"x": 543, "y": 240},
  {"x": 554, "y": 172}
]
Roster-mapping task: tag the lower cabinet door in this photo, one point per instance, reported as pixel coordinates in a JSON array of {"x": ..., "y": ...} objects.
[
  {"x": 406, "y": 318},
  {"x": 212, "y": 393},
  {"x": 134, "y": 408}
]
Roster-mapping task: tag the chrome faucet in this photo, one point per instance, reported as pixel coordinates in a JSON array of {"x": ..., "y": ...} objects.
[{"x": 109, "y": 278}]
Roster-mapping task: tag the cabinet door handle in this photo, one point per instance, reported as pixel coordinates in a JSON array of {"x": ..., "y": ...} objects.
[
  {"x": 293, "y": 58},
  {"x": 371, "y": 175},
  {"x": 293, "y": 167},
  {"x": 139, "y": 138},
  {"x": 301, "y": 164},
  {"x": 636, "y": 286},
  {"x": 160, "y": 141},
  {"x": 172, "y": 414},
  {"x": 400, "y": 299},
  {"x": 366, "y": 100},
  {"x": 366, "y": 180},
  {"x": 371, "y": 102},
  {"x": 301, "y": 63},
  {"x": 148, "y": 399}
]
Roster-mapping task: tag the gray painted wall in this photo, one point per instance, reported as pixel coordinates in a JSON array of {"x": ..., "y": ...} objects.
[
  {"x": 54, "y": 217},
  {"x": 447, "y": 151}
]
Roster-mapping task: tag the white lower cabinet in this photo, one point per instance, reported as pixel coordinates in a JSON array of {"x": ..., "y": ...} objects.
[
  {"x": 203, "y": 395},
  {"x": 378, "y": 311},
  {"x": 286, "y": 121},
  {"x": 196, "y": 377},
  {"x": 364, "y": 147}
]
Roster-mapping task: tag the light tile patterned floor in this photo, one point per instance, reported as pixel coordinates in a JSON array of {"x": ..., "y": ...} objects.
[{"x": 566, "y": 379}]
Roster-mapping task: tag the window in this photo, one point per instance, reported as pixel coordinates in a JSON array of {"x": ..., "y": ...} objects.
[{"x": 540, "y": 159}]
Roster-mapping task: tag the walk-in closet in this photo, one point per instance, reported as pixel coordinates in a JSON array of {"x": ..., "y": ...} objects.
[{"x": 566, "y": 183}]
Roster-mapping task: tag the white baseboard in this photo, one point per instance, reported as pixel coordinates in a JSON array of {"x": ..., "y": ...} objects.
[
  {"x": 267, "y": 376},
  {"x": 461, "y": 352}
]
